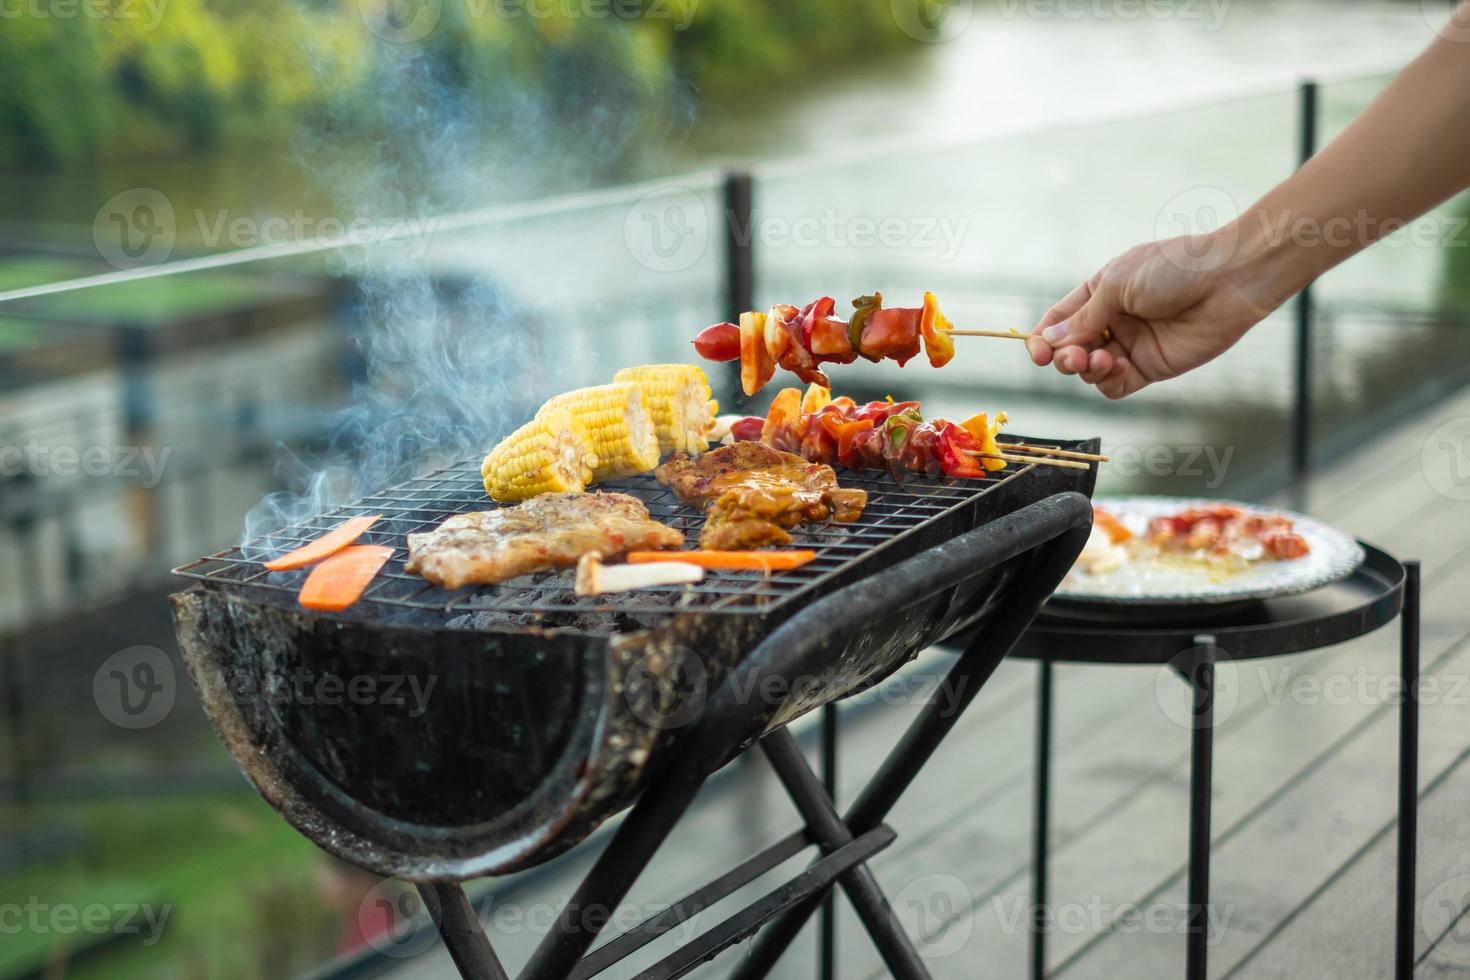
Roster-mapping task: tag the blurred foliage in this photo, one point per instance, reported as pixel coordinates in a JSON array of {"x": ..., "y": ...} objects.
[{"x": 168, "y": 76}]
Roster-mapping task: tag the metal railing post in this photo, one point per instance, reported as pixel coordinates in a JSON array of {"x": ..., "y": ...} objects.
[
  {"x": 1301, "y": 421},
  {"x": 739, "y": 270}
]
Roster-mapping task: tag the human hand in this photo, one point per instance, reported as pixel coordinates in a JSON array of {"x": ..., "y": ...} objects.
[{"x": 1151, "y": 314}]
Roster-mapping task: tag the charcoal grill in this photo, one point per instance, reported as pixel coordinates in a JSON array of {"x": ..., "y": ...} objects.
[{"x": 547, "y": 713}]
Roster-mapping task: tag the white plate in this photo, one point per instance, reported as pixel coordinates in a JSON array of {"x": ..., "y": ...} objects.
[{"x": 1334, "y": 555}]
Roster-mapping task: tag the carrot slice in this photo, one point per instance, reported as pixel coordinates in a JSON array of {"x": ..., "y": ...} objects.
[
  {"x": 755, "y": 561},
  {"x": 325, "y": 546},
  {"x": 339, "y": 581}
]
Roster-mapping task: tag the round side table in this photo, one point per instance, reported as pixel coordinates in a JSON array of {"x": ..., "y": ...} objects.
[{"x": 1192, "y": 639}]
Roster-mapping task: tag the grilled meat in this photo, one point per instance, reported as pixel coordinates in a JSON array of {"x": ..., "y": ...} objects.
[
  {"x": 753, "y": 494},
  {"x": 552, "y": 530}
]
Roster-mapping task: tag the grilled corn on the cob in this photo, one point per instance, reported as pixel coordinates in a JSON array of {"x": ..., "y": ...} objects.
[
  {"x": 552, "y": 452},
  {"x": 679, "y": 398},
  {"x": 618, "y": 423}
]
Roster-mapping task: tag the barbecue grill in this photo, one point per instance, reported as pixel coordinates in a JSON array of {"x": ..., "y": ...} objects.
[{"x": 546, "y": 712}]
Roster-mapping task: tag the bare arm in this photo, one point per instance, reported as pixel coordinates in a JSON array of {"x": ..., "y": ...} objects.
[{"x": 1165, "y": 308}]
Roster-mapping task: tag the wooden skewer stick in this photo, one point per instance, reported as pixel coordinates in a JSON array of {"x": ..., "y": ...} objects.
[
  {"x": 1006, "y": 334},
  {"x": 1039, "y": 460},
  {"x": 1052, "y": 451}
]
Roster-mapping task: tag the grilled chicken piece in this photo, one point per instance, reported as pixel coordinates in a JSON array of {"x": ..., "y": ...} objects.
[
  {"x": 754, "y": 493},
  {"x": 553, "y": 530}
]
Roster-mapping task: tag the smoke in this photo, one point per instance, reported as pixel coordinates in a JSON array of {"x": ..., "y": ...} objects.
[{"x": 450, "y": 360}]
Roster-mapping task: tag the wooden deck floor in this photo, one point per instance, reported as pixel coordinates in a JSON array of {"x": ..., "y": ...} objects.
[{"x": 1304, "y": 806}]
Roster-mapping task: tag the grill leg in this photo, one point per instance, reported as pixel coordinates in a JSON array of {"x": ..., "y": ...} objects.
[
  {"x": 827, "y": 949},
  {"x": 827, "y": 828},
  {"x": 455, "y": 919},
  {"x": 924, "y": 734},
  {"x": 1408, "y": 776},
  {"x": 1042, "y": 818},
  {"x": 1202, "y": 739}
]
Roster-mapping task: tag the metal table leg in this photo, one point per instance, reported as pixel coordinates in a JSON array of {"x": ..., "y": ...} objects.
[
  {"x": 1202, "y": 747},
  {"x": 1408, "y": 776},
  {"x": 1042, "y": 819},
  {"x": 827, "y": 947}
]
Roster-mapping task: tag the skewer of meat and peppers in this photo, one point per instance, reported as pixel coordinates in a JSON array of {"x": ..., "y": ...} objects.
[{"x": 770, "y": 475}]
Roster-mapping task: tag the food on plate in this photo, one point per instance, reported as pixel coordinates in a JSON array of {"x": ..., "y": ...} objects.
[
  {"x": 801, "y": 340},
  {"x": 884, "y": 435},
  {"x": 1212, "y": 539},
  {"x": 552, "y": 530},
  {"x": 1218, "y": 530},
  {"x": 340, "y": 580},
  {"x": 551, "y": 453},
  {"x": 679, "y": 399},
  {"x": 325, "y": 546},
  {"x": 619, "y": 423},
  {"x": 595, "y": 578},
  {"x": 756, "y": 561},
  {"x": 752, "y": 494}
]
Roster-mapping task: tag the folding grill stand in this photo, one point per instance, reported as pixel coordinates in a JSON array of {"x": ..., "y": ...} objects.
[
  {"x": 1039, "y": 542},
  {"x": 1194, "y": 644}
]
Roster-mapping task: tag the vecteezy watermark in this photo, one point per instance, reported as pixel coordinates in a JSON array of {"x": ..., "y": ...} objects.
[
  {"x": 393, "y": 919},
  {"x": 406, "y": 21},
  {"x": 937, "y": 910},
  {"x": 1445, "y": 919},
  {"x": 37, "y": 917},
  {"x": 668, "y": 230},
  {"x": 401, "y": 21},
  {"x": 135, "y": 687},
  {"x": 1450, "y": 21},
  {"x": 1200, "y": 229},
  {"x": 1203, "y": 674},
  {"x": 1205, "y": 463},
  {"x": 142, "y": 463},
  {"x": 1446, "y": 458},
  {"x": 942, "y": 235},
  {"x": 1210, "y": 13},
  {"x": 140, "y": 227},
  {"x": 932, "y": 21},
  {"x": 1361, "y": 685},
  {"x": 667, "y": 687},
  {"x": 135, "y": 228},
  {"x": 149, "y": 12},
  {"x": 298, "y": 687},
  {"x": 1098, "y": 915}
]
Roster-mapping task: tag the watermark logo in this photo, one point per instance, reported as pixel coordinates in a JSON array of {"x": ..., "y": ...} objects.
[
  {"x": 149, "y": 12},
  {"x": 1446, "y": 458},
  {"x": 936, "y": 910},
  {"x": 39, "y": 918},
  {"x": 1097, "y": 915},
  {"x": 1445, "y": 920},
  {"x": 1210, "y": 13},
  {"x": 143, "y": 464},
  {"x": 1195, "y": 229},
  {"x": 135, "y": 228},
  {"x": 135, "y": 688},
  {"x": 393, "y": 919},
  {"x": 1450, "y": 21},
  {"x": 667, "y": 230},
  {"x": 932, "y": 21},
  {"x": 401, "y": 21},
  {"x": 1177, "y": 682},
  {"x": 667, "y": 689}
]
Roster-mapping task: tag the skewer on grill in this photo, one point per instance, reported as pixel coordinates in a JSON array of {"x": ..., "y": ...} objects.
[
  {"x": 1065, "y": 464},
  {"x": 1053, "y": 451}
]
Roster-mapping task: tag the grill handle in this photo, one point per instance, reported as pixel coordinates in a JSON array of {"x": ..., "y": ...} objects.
[{"x": 803, "y": 645}]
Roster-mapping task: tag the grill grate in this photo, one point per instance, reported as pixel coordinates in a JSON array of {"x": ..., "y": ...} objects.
[{"x": 894, "y": 510}]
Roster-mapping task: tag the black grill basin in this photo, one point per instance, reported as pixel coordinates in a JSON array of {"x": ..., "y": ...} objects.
[{"x": 438, "y": 735}]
